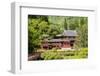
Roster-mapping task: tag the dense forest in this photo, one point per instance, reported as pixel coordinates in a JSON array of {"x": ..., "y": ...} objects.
[{"x": 40, "y": 26}]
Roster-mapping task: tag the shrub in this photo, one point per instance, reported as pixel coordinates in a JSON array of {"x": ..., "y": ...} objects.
[
  {"x": 54, "y": 54},
  {"x": 48, "y": 55}
]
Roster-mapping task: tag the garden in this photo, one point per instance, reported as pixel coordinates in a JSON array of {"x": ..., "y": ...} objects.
[
  {"x": 47, "y": 37},
  {"x": 59, "y": 54},
  {"x": 54, "y": 54}
]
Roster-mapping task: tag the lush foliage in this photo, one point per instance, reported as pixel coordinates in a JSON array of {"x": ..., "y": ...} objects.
[
  {"x": 40, "y": 26},
  {"x": 54, "y": 54}
]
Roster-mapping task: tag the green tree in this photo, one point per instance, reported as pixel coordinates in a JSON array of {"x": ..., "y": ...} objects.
[
  {"x": 82, "y": 30},
  {"x": 36, "y": 28}
]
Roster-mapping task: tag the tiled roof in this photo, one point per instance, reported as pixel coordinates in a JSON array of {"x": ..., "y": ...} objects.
[
  {"x": 69, "y": 33},
  {"x": 58, "y": 40}
]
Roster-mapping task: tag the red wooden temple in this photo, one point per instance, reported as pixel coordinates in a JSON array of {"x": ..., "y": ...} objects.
[{"x": 65, "y": 40}]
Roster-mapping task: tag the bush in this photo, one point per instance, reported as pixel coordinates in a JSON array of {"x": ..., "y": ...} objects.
[
  {"x": 54, "y": 54},
  {"x": 49, "y": 55},
  {"x": 83, "y": 53}
]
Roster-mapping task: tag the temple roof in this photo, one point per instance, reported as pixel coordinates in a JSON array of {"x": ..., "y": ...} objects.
[
  {"x": 58, "y": 40},
  {"x": 66, "y": 33},
  {"x": 69, "y": 33}
]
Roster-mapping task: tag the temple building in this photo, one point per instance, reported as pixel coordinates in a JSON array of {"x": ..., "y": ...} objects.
[{"x": 65, "y": 40}]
